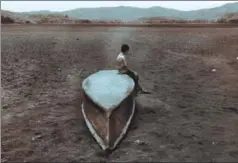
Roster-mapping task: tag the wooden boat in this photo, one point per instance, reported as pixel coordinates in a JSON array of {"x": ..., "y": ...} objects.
[{"x": 108, "y": 106}]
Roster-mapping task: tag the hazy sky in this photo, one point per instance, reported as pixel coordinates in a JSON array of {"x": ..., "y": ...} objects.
[{"x": 20, "y": 6}]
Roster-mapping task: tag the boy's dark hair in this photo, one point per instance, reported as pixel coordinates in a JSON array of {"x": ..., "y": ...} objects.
[{"x": 124, "y": 48}]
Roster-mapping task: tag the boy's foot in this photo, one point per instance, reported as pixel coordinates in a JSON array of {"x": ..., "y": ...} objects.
[
  {"x": 145, "y": 92},
  {"x": 142, "y": 91}
]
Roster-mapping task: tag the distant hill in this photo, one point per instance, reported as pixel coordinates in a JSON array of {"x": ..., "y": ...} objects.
[
  {"x": 133, "y": 13},
  {"x": 8, "y": 17}
]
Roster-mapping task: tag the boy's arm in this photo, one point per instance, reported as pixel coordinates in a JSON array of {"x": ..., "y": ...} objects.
[{"x": 123, "y": 65}]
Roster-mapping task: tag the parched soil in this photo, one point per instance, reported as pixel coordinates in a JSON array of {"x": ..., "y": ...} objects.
[{"x": 191, "y": 115}]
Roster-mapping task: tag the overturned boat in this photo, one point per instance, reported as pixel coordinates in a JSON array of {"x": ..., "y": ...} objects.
[{"x": 108, "y": 106}]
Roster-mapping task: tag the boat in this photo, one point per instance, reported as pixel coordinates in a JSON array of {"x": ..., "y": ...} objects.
[{"x": 108, "y": 106}]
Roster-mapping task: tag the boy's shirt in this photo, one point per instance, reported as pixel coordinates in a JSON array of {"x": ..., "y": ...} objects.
[{"x": 121, "y": 63}]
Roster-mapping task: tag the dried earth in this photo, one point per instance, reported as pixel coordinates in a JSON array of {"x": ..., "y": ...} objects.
[{"x": 191, "y": 115}]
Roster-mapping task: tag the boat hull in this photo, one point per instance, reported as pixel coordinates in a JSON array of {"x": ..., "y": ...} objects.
[{"x": 108, "y": 127}]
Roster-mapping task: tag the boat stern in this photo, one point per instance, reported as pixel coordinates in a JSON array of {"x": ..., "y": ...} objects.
[{"x": 110, "y": 126}]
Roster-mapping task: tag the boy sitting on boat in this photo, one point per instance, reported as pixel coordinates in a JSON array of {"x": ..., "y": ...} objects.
[{"x": 123, "y": 68}]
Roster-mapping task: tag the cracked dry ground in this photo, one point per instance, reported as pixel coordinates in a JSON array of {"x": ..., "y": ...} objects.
[{"x": 191, "y": 116}]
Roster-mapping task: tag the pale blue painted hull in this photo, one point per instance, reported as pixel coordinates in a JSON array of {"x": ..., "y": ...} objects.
[{"x": 108, "y": 88}]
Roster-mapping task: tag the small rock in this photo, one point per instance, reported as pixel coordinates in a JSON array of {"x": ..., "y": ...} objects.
[
  {"x": 214, "y": 70},
  {"x": 36, "y": 137},
  {"x": 5, "y": 107},
  {"x": 236, "y": 58},
  {"x": 140, "y": 142},
  {"x": 137, "y": 141}
]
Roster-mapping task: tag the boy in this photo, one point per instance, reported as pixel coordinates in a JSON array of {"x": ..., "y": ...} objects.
[{"x": 122, "y": 67}]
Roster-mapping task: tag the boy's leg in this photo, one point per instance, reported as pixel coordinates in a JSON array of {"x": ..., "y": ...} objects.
[
  {"x": 139, "y": 88},
  {"x": 135, "y": 77}
]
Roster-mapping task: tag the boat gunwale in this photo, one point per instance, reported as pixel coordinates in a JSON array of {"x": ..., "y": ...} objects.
[{"x": 93, "y": 102}]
